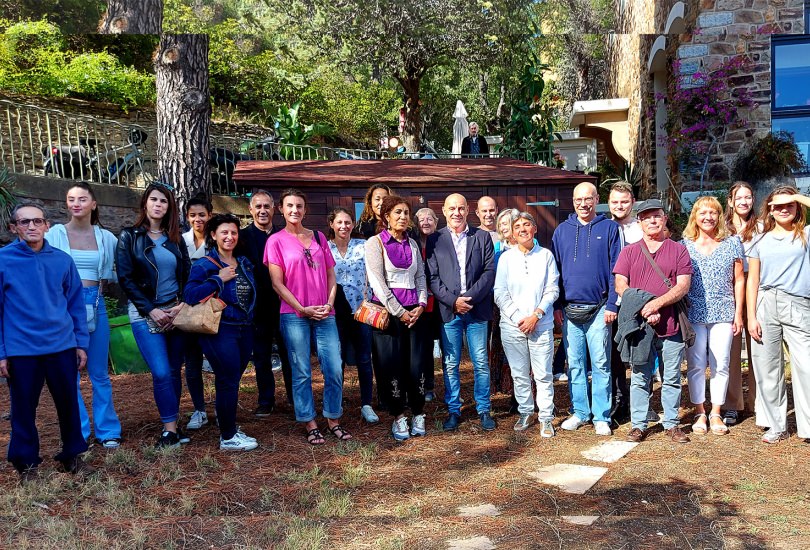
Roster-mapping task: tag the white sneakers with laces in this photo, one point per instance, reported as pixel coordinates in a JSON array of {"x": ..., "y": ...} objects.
[{"x": 239, "y": 442}]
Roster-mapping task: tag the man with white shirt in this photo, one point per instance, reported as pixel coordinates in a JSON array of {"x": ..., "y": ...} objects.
[{"x": 461, "y": 274}]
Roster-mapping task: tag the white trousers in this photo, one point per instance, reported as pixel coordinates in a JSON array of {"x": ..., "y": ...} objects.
[
  {"x": 531, "y": 356},
  {"x": 782, "y": 317},
  {"x": 712, "y": 346}
]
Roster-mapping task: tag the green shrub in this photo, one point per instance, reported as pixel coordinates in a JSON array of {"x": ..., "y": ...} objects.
[{"x": 100, "y": 76}]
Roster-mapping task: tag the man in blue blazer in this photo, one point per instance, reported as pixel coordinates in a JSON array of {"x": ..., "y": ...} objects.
[{"x": 461, "y": 274}]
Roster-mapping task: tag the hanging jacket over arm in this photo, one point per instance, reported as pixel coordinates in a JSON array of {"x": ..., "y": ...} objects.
[{"x": 634, "y": 335}]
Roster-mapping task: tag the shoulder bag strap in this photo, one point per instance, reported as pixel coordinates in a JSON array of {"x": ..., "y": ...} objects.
[
  {"x": 213, "y": 261},
  {"x": 655, "y": 265}
]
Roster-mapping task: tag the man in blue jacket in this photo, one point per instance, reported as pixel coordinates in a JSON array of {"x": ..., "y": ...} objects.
[
  {"x": 43, "y": 338},
  {"x": 461, "y": 275},
  {"x": 586, "y": 247}
]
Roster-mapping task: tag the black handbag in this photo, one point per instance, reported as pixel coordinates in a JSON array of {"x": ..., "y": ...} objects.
[{"x": 681, "y": 306}]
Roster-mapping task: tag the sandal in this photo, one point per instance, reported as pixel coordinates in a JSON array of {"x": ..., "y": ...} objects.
[
  {"x": 315, "y": 437},
  {"x": 718, "y": 429},
  {"x": 344, "y": 434},
  {"x": 700, "y": 426}
]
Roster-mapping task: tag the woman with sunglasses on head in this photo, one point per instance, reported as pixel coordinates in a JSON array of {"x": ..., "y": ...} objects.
[
  {"x": 741, "y": 220},
  {"x": 229, "y": 277},
  {"x": 153, "y": 267},
  {"x": 93, "y": 251},
  {"x": 778, "y": 300},
  {"x": 370, "y": 217},
  {"x": 303, "y": 274}
]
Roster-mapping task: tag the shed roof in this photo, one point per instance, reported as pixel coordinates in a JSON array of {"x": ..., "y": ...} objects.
[{"x": 491, "y": 171}]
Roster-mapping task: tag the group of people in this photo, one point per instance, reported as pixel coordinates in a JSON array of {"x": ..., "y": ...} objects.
[{"x": 624, "y": 294}]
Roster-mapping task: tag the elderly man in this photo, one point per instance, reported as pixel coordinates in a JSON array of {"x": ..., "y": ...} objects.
[
  {"x": 474, "y": 146},
  {"x": 43, "y": 338},
  {"x": 487, "y": 212},
  {"x": 461, "y": 274},
  {"x": 586, "y": 247},
  {"x": 253, "y": 239},
  {"x": 635, "y": 271}
]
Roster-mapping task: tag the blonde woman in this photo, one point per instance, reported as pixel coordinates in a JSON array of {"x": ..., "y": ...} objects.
[
  {"x": 715, "y": 308},
  {"x": 778, "y": 298}
]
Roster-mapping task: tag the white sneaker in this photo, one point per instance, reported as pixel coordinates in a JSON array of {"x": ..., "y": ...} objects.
[
  {"x": 206, "y": 366},
  {"x": 561, "y": 377},
  {"x": 368, "y": 414},
  {"x": 602, "y": 428},
  {"x": 437, "y": 351},
  {"x": 399, "y": 429},
  {"x": 418, "y": 425},
  {"x": 572, "y": 423},
  {"x": 237, "y": 443},
  {"x": 244, "y": 435},
  {"x": 198, "y": 420},
  {"x": 547, "y": 430}
]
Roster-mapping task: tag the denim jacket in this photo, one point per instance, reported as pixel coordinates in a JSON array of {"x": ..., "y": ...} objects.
[{"x": 204, "y": 280}]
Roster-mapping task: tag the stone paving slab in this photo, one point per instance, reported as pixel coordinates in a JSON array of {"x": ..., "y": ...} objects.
[
  {"x": 580, "y": 520},
  {"x": 608, "y": 451},
  {"x": 475, "y": 543},
  {"x": 571, "y": 478},
  {"x": 482, "y": 510}
]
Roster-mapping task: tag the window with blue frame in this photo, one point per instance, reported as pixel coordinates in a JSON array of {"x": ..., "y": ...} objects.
[{"x": 790, "y": 81}]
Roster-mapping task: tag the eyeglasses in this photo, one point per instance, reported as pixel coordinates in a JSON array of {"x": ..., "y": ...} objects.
[
  {"x": 586, "y": 200},
  {"x": 310, "y": 262},
  {"x": 38, "y": 222}
]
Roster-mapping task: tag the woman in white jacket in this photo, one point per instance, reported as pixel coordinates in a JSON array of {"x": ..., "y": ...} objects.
[
  {"x": 93, "y": 251},
  {"x": 525, "y": 290}
]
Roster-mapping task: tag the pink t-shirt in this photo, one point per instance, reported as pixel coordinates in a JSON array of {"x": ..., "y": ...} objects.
[
  {"x": 672, "y": 258},
  {"x": 305, "y": 278}
]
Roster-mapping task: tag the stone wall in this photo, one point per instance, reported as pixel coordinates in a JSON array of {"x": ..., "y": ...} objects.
[{"x": 727, "y": 28}]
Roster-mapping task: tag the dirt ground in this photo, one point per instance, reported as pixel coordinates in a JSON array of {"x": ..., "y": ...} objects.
[{"x": 715, "y": 492}]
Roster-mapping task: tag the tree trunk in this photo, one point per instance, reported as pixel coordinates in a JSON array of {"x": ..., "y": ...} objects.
[
  {"x": 183, "y": 114},
  {"x": 412, "y": 134},
  {"x": 132, "y": 17},
  {"x": 483, "y": 104},
  {"x": 499, "y": 111}
]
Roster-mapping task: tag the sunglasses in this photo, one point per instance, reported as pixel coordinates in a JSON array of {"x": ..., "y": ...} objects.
[
  {"x": 38, "y": 222},
  {"x": 310, "y": 261}
]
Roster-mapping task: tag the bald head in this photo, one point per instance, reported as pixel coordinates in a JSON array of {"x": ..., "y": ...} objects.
[
  {"x": 487, "y": 210},
  {"x": 585, "y": 201},
  {"x": 455, "y": 210}
]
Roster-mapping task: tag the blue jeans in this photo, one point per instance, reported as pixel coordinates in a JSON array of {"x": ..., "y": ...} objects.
[
  {"x": 27, "y": 376},
  {"x": 163, "y": 353},
  {"x": 591, "y": 339},
  {"x": 672, "y": 350},
  {"x": 452, "y": 338},
  {"x": 298, "y": 333},
  {"x": 194, "y": 376},
  {"x": 356, "y": 336},
  {"x": 105, "y": 421},
  {"x": 228, "y": 351}
]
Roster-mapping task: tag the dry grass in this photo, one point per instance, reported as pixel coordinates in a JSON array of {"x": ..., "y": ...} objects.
[{"x": 716, "y": 492}]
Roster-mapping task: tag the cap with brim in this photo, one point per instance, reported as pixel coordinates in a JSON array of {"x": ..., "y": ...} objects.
[{"x": 650, "y": 204}]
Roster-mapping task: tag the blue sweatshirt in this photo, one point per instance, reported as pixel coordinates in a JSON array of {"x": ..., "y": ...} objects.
[
  {"x": 585, "y": 255},
  {"x": 41, "y": 302}
]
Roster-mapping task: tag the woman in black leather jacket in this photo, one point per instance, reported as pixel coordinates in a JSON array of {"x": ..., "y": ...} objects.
[{"x": 153, "y": 268}]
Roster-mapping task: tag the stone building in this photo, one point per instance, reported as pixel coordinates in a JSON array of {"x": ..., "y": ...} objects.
[{"x": 701, "y": 35}]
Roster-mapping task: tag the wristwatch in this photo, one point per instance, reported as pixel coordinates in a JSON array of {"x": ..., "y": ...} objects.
[{"x": 538, "y": 314}]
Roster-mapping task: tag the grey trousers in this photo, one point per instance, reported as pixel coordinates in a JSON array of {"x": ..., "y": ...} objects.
[
  {"x": 530, "y": 356},
  {"x": 782, "y": 316}
]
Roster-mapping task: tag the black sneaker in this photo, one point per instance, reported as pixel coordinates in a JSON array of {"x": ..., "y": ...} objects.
[
  {"x": 183, "y": 436},
  {"x": 263, "y": 410},
  {"x": 78, "y": 467},
  {"x": 167, "y": 439}
]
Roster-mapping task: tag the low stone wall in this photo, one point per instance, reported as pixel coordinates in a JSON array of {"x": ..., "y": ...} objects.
[{"x": 118, "y": 206}]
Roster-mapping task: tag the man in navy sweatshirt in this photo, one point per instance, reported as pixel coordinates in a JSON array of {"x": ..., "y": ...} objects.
[
  {"x": 43, "y": 338},
  {"x": 586, "y": 247}
]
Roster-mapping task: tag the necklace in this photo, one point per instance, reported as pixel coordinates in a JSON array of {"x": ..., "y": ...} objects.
[{"x": 152, "y": 231}]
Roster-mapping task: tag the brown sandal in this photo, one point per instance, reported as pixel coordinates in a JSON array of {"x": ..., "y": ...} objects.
[
  {"x": 344, "y": 434},
  {"x": 315, "y": 437}
]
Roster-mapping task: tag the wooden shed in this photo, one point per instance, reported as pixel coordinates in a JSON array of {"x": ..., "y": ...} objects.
[{"x": 545, "y": 192}]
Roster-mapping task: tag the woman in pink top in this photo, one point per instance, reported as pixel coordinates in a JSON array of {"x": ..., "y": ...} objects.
[{"x": 302, "y": 270}]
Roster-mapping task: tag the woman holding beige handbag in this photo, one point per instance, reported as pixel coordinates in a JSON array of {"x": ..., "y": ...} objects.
[
  {"x": 230, "y": 278},
  {"x": 396, "y": 275}
]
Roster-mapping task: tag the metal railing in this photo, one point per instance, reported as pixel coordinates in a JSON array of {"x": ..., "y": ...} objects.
[{"x": 41, "y": 141}]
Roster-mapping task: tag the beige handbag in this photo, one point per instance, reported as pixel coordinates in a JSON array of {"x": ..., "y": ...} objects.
[{"x": 204, "y": 317}]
